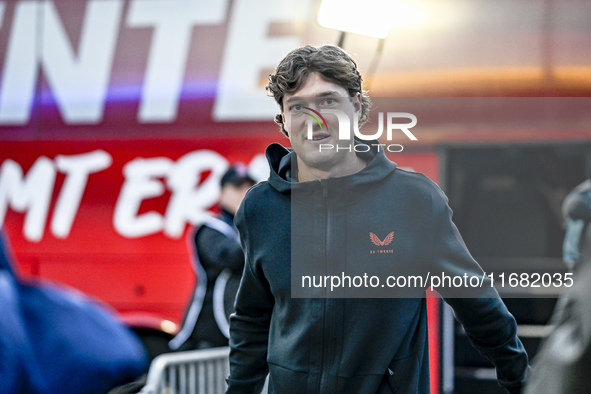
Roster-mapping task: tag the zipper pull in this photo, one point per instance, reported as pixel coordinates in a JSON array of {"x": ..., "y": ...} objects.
[{"x": 390, "y": 372}]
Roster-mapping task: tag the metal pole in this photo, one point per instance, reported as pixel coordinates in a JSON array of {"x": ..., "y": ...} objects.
[{"x": 342, "y": 39}]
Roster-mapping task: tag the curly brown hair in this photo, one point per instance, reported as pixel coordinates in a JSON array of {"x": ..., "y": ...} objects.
[{"x": 330, "y": 61}]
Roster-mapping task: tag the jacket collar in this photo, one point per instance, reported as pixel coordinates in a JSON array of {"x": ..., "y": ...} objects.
[{"x": 282, "y": 163}]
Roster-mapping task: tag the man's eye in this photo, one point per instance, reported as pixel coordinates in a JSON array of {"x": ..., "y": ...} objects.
[
  {"x": 296, "y": 108},
  {"x": 329, "y": 101}
]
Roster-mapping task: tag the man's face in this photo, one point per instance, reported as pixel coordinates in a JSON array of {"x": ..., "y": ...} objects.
[{"x": 317, "y": 93}]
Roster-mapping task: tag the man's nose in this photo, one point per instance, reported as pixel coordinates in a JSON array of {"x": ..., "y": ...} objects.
[{"x": 313, "y": 123}]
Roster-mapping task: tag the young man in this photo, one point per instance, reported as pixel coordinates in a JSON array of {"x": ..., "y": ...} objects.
[
  {"x": 219, "y": 261},
  {"x": 316, "y": 211}
]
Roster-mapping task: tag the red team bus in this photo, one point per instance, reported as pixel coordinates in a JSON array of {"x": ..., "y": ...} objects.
[{"x": 117, "y": 119}]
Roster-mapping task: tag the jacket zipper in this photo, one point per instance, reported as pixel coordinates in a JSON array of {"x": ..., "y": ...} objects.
[{"x": 325, "y": 348}]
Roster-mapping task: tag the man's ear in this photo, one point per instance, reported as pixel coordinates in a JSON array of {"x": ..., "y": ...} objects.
[{"x": 357, "y": 102}]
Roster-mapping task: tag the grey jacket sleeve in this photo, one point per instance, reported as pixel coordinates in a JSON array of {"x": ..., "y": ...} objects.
[
  {"x": 249, "y": 324},
  {"x": 490, "y": 327}
]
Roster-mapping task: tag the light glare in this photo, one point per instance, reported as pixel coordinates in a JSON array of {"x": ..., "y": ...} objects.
[{"x": 373, "y": 18}]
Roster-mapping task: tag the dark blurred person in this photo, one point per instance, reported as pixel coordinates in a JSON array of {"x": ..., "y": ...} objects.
[
  {"x": 56, "y": 340},
  {"x": 219, "y": 261},
  {"x": 576, "y": 209},
  {"x": 564, "y": 361}
]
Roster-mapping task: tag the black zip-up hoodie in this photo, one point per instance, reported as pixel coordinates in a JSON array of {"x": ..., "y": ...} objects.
[{"x": 327, "y": 344}]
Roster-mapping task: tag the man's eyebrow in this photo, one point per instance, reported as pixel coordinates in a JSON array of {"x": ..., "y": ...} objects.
[
  {"x": 292, "y": 99},
  {"x": 328, "y": 93}
]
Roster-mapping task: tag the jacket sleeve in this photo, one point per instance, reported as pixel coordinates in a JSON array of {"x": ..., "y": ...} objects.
[
  {"x": 492, "y": 330},
  {"x": 217, "y": 251},
  {"x": 249, "y": 324}
]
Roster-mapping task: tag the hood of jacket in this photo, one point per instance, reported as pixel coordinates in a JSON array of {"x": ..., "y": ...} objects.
[{"x": 283, "y": 170}]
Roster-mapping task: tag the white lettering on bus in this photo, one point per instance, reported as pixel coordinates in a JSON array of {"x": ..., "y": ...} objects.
[
  {"x": 189, "y": 199},
  {"x": 141, "y": 182},
  {"x": 191, "y": 195},
  {"x": 188, "y": 203},
  {"x": 20, "y": 66},
  {"x": 79, "y": 77},
  {"x": 173, "y": 22},
  {"x": 77, "y": 169},
  {"x": 30, "y": 194},
  {"x": 79, "y": 82},
  {"x": 248, "y": 51}
]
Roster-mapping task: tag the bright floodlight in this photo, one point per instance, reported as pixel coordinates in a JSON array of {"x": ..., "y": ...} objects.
[
  {"x": 375, "y": 17},
  {"x": 368, "y": 17}
]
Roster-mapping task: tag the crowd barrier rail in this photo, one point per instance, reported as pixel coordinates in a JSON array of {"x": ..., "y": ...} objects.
[{"x": 189, "y": 372}]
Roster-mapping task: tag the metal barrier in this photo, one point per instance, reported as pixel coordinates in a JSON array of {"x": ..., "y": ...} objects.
[{"x": 190, "y": 372}]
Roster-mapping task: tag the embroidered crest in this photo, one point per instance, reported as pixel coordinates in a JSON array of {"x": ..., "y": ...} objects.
[{"x": 376, "y": 240}]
